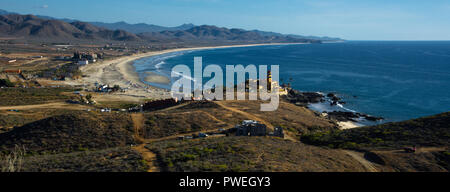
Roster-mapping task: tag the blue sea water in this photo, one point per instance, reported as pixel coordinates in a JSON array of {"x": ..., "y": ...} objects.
[{"x": 395, "y": 80}]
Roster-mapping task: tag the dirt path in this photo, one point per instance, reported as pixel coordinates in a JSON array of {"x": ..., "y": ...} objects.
[
  {"x": 174, "y": 107},
  {"x": 419, "y": 150},
  {"x": 149, "y": 157},
  {"x": 215, "y": 119},
  {"x": 138, "y": 125},
  {"x": 247, "y": 115},
  {"x": 253, "y": 117},
  {"x": 360, "y": 158},
  {"x": 430, "y": 149},
  {"x": 56, "y": 105}
]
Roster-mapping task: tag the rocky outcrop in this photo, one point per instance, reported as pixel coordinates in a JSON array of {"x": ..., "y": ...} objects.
[
  {"x": 304, "y": 98},
  {"x": 351, "y": 116}
]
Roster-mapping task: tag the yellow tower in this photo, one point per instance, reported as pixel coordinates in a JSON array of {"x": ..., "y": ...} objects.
[{"x": 269, "y": 80}]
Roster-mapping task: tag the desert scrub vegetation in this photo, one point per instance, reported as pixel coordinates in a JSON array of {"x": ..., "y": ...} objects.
[
  {"x": 166, "y": 124},
  {"x": 298, "y": 120},
  {"x": 121, "y": 159},
  {"x": 427, "y": 131},
  {"x": 29, "y": 96},
  {"x": 242, "y": 154},
  {"x": 77, "y": 131},
  {"x": 16, "y": 119},
  {"x": 13, "y": 161},
  {"x": 11, "y": 120},
  {"x": 6, "y": 83}
]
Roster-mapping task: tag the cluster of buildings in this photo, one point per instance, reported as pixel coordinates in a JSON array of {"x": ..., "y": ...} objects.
[
  {"x": 254, "y": 128},
  {"x": 251, "y": 128},
  {"x": 86, "y": 58},
  {"x": 105, "y": 88}
]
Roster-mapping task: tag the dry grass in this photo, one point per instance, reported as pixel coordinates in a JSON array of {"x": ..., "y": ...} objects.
[
  {"x": 242, "y": 154},
  {"x": 13, "y": 162},
  {"x": 298, "y": 120}
]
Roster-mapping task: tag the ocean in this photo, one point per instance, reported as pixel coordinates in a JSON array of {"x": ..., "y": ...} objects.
[{"x": 397, "y": 80}]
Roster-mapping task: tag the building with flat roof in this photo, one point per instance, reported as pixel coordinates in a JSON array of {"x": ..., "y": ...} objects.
[{"x": 251, "y": 128}]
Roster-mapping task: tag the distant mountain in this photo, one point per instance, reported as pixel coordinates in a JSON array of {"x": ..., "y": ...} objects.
[
  {"x": 33, "y": 27},
  {"x": 3, "y": 12},
  {"x": 221, "y": 34},
  {"x": 325, "y": 38},
  {"x": 141, "y": 27},
  {"x": 148, "y": 30},
  {"x": 133, "y": 28},
  {"x": 265, "y": 33},
  {"x": 43, "y": 28}
]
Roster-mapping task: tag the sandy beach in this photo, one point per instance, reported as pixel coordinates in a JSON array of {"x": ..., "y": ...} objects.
[
  {"x": 120, "y": 71},
  {"x": 347, "y": 125}
]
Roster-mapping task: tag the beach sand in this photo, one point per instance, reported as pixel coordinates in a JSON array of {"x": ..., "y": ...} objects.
[
  {"x": 347, "y": 125},
  {"x": 156, "y": 78},
  {"x": 120, "y": 71}
]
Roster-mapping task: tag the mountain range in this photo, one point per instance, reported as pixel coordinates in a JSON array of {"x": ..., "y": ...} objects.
[
  {"x": 32, "y": 27},
  {"x": 49, "y": 28}
]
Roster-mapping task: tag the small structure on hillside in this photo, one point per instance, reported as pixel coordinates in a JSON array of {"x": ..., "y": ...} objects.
[
  {"x": 82, "y": 62},
  {"x": 104, "y": 88},
  {"x": 251, "y": 128},
  {"x": 278, "y": 132}
]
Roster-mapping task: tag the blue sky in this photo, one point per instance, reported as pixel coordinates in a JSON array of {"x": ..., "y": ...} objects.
[{"x": 349, "y": 19}]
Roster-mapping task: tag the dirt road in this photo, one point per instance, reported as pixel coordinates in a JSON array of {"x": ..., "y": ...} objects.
[
  {"x": 253, "y": 117},
  {"x": 149, "y": 157},
  {"x": 56, "y": 105},
  {"x": 360, "y": 158}
]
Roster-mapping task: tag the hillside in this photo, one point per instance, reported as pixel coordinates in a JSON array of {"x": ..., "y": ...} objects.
[
  {"x": 211, "y": 116},
  {"x": 77, "y": 131},
  {"x": 32, "y": 27},
  {"x": 122, "y": 159},
  {"x": 426, "y": 131},
  {"x": 249, "y": 154}
]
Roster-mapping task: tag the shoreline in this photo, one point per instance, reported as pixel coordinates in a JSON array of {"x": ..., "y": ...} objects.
[{"x": 120, "y": 71}]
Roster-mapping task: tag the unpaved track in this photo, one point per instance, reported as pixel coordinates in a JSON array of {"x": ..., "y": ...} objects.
[
  {"x": 56, "y": 105},
  {"x": 174, "y": 107},
  {"x": 419, "y": 150},
  {"x": 360, "y": 158},
  {"x": 253, "y": 117},
  {"x": 149, "y": 157},
  {"x": 138, "y": 125},
  {"x": 247, "y": 115}
]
